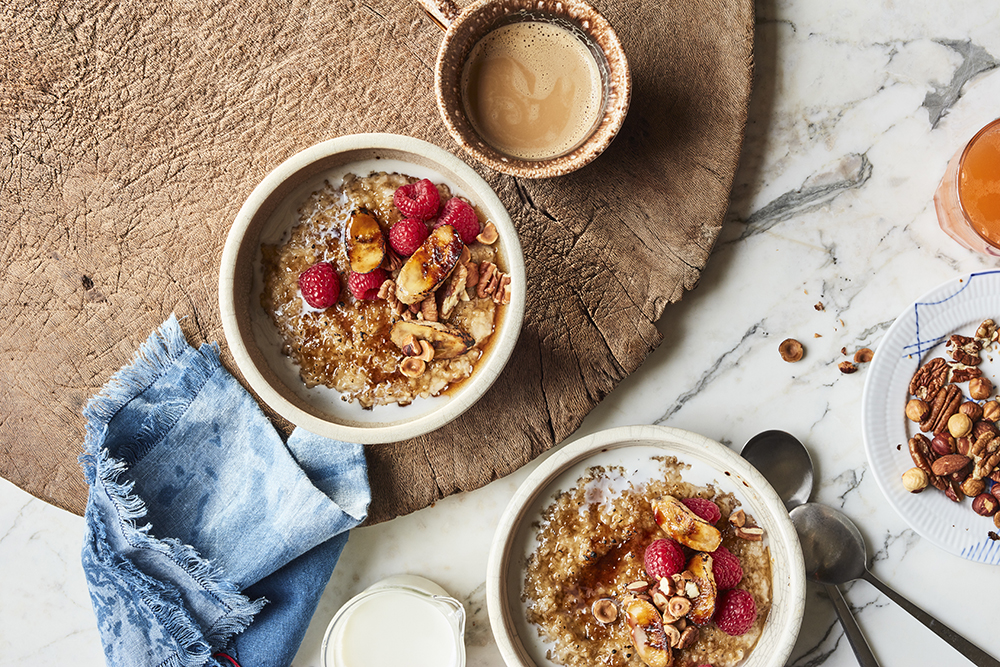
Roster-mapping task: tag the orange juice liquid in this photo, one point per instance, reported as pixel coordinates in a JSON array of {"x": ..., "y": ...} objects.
[{"x": 979, "y": 183}]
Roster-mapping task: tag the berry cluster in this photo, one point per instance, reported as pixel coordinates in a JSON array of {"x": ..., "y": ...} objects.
[
  {"x": 670, "y": 565},
  {"x": 420, "y": 202}
]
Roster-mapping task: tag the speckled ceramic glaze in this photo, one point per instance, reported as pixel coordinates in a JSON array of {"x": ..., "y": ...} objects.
[{"x": 470, "y": 25}]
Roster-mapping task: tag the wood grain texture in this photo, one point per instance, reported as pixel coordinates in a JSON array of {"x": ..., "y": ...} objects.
[{"x": 131, "y": 133}]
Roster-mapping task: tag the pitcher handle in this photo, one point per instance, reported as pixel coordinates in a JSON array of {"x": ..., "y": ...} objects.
[{"x": 442, "y": 12}]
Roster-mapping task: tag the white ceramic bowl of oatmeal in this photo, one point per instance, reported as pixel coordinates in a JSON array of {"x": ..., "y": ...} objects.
[
  {"x": 576, "y": 502},
  {"x": 298, "y": 215}
]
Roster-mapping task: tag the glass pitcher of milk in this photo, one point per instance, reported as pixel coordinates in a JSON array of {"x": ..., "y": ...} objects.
[{"x": 401, "y": 620}]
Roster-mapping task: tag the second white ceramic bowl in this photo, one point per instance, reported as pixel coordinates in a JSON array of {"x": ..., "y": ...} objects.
[{"x": 632, "y": 447}]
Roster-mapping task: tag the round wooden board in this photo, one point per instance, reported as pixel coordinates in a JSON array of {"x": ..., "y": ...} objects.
[{"x": 132, "y": 132}]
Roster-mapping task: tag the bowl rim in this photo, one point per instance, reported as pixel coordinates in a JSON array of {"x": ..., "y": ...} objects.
[
  {"x": 501, "y": 347},
  {"x": 511, "y": 648}
]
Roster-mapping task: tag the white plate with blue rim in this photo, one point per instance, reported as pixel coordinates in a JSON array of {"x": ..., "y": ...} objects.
[{"x": 918, "y": 335}]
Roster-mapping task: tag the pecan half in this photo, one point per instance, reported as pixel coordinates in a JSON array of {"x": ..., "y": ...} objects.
[
  {"x": 946, "y": 402},
  {"x": 964, "y": 350},
  {"x": 986, "y": 459},
  {"x": 986, "y": 334},
  {"x": 929, "y": 378},
  {"x": 962, "y": 373},
  {"x": 923, "y": 457}
]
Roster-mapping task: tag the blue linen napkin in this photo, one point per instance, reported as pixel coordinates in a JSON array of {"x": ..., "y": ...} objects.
[{"x": 209, "y": 540}]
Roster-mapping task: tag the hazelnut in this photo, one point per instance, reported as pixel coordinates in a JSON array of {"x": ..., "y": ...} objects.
[
  {"x": 963, "y": 445},
  {"x": 943, "y": 443},
  {"x": 489, "y": 234},
  {"x": 915, "y": 480},
  {"x": 673, "y": 635},
  {"x": 917, "y": 410},
  {"x": 847, "y": 367},
  {"x": 972, "y": 487},
  {"x": 985, "y": 504},
  {"x": 659, "y": 600},
  {"x": 677, "y": 607},
  {"x": 412, "y": 367},
  {"x": 790, "y": 350},
  {"x": 738, "y": 518},
  {"x": 991, "y": 411},
  {"x": 863, "y": 356},
  {"x": 688, "y": 637},
  {"x": 959, "y": 425},
  {"x": 996, "y": 519},
  {"x": 980, "y": 388},
  {"x": 604, "y": 610},
  {"x": 995, "y": 490},
  {"x": 972, "y": 409},
  {"x": 426, "y": 351}
]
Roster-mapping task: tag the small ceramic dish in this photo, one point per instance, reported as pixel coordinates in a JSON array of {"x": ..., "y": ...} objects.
[
  {"x": 253, "y": 339},
  {"x": 920, "y": 333},
  {"x": 634, "y": 449}
]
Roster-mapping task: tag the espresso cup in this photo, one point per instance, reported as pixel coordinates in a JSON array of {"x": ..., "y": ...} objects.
[{"x": 531, "y": 88}]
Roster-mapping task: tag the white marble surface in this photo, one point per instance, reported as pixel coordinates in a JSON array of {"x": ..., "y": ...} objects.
[{"x": 857, "y": 108}]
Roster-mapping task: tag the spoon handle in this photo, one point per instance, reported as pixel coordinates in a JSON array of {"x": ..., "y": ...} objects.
[
  {"x": 977, "y": 655},
  {"x": 862, "y": 651}
]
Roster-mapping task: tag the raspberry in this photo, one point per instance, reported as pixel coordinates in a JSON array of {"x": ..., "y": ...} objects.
[
  {"x": 735, "y": 611},
  {"x": 407, "y": 235},
  {"x": 726, "y": 568},
  {"x": 705, "y": 509},
  {"x": 365, "y": 286},
  {"x": 418, "y": 200},
  {"x": 320, "y": 285},
  {"x": 460, "y": 215},
  {"x": 663, "y": 558}
]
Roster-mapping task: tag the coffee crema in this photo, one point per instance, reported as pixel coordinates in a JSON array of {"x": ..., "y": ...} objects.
[{"x": 532, "y": 90}]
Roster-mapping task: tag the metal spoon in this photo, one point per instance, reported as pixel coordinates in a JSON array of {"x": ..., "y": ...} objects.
[
  {"x": 784, "y": 462},
  {"x": 834, "y": 553},
  {"x": 787, "y": 466}
]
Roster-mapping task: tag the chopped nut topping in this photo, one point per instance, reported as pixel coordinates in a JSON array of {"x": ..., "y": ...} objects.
[
  {"x": 637, "y": 586},
  {"x": 847, "y": 367},
  {"x": 489, "y": 234},
  {"x": 751, "y": 533},
  {"x": 429, "y": 309},
  {"x": 604, "y": 610},
  {"x": 412, "y": 367},
  {"x": 738, "y": 518},
  {"x": 863, "y": 356},
  {"x": 426, "y": 351}
]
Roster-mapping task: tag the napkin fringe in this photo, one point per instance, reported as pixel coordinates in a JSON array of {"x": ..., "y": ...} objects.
[{"x": 103, "y": 472}]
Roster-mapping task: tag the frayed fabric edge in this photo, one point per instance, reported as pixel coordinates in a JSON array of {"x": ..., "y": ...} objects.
[{"x": 155, "y": 357}]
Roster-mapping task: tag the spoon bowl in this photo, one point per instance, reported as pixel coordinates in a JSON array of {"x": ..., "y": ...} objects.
[
  {"x": 834, "y": 553},
  {"x": 785, "y": 463}
]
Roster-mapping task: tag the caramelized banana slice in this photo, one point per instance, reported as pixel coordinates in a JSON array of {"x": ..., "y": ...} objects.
[
  {"x": 364, "y": 241},
  {"x": 429, "y": 266},
  {"x": 648, "y": 636},
  {"x": 703, "y": 606},
  {"x": 447, "y": 341},
  {"x": 685, "y": 526}
]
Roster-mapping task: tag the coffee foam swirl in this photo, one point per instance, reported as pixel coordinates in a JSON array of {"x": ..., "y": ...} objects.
[{"x": 532, "y": 90}]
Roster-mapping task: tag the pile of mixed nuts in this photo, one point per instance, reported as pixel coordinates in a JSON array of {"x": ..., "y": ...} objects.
[{"x": 962, "y": 455}]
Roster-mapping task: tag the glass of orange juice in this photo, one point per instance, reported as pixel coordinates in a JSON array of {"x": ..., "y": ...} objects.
[{"x": 968, "y": 199}]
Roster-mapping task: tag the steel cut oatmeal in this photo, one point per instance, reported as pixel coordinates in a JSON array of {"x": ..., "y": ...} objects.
[
  {"x": 394, "y": 314},
  {"x": 610, "y": 584}
]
